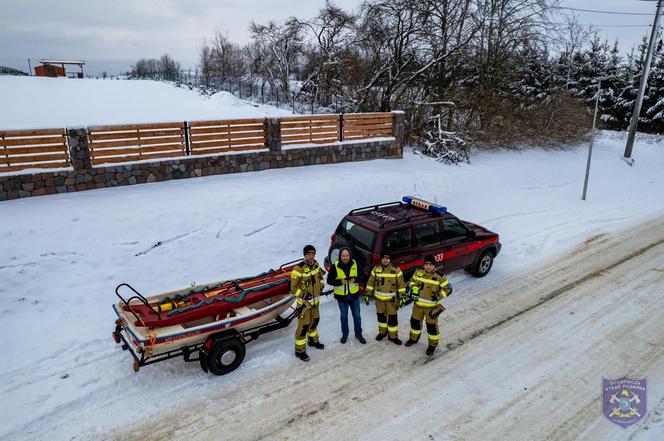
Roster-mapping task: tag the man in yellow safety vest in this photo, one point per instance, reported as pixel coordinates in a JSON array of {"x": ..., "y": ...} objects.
[{"x": 343, "y": 276}]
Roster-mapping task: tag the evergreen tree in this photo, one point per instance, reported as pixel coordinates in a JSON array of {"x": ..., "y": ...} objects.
[
  {"x": 592, "y": 65},
  {"x": 610, "y": 113},
  {"x": 653, "y": 103},
  {"x": 532, "y": 76},
  {"x": 631, "y": 72}
]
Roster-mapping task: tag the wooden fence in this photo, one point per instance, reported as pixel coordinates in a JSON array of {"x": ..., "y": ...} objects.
[
  {"x": 367, "y": 125},
  {"x": 136, "y": 142},
  {"x": 25, "y": 149},
  {"x": 310, "y": 129},
  {"x": 21, "y": 149},
  {"x": 207, "y": 137}
]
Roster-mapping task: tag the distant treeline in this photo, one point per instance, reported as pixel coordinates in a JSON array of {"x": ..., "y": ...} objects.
[{"x": 513, "y": 73}]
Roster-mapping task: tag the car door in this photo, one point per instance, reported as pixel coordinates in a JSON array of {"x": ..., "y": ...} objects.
[
  {"x": 428, "y": 239},
  {"x": 455, "y": 241},
  {"x": 399, "y": 244}
]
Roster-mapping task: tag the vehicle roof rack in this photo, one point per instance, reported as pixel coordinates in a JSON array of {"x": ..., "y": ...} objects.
[
  {"x": 410, "y": 218},
  {"x": 375, "y": 207}
]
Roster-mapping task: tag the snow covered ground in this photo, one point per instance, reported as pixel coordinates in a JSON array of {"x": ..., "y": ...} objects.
[
  {"x": 522, "y": 360},
  {"x": 35, "y": 102},
  {"x": 62, "y": 256}
]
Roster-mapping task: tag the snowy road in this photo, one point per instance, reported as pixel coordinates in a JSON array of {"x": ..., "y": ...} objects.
[
  {"x": 61, "y": 257},
  {"x": 524, "y": 360}
]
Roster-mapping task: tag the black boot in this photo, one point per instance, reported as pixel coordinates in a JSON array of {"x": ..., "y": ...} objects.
[
  {"x": 379, "y": 337},
  {"x": 361, "y": 339},
  {"x": 410, "y": 342},
  {"x": 302, "y": 356},
  {"x": 396, "y": 341},
  {"x": 344, "y": 339},
  {"x": 315, "y": 344},
  {"x": 430, "y": 350}
]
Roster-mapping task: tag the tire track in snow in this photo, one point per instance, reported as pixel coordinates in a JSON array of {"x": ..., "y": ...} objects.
[
  {"x": 259, "y": 230},
  {"x": 166, "y": 241},
  {"x": 317, "y": 401},
  {"x": 548, "y": 297}
]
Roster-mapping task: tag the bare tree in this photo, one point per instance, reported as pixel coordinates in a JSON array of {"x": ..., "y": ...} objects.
[
  {"x": 169, "y": 67},
  {"x": 144, "y": 67},
  {"x": 390, "y": 33},
  {"x": 450, "y": 28},
  {"x": 573, "y": 36},
  {"x": 227, "y": 57},
  {"x": 205, "y": 63},
  {"x": 504, "y": 26},
  {"x": 279, "y": 47},
  {"x": 333, "y": 33}
]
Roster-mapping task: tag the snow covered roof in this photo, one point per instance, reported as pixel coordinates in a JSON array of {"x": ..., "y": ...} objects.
[{"x": 80, "y": 63}]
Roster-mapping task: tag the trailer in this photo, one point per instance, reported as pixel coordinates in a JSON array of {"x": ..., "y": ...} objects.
[{"x": 217, "y": 320}]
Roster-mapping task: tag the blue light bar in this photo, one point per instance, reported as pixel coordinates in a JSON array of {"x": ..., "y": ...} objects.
[{"x": 419, "y": 203}]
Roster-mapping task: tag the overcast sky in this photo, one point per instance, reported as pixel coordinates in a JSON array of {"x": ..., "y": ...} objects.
[{"x": 110, "y": 35}]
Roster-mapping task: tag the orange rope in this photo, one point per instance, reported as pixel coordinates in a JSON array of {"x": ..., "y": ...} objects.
[{"x": 153, "y": 339}]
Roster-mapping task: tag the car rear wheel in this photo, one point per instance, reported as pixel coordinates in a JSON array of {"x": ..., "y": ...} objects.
[{"x": 484, "y": 264}]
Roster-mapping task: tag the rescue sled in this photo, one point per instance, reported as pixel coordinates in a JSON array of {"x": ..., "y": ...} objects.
[{"x": 212, "y": 321}]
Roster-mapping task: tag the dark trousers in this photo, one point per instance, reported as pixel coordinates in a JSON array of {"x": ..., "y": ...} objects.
[{"x": 352, "y": 302}]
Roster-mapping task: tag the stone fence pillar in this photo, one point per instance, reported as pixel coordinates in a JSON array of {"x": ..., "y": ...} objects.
[
  {"x": 273, "y": 134},
  {"x": 79, "y": 149},
  {"x": 400, "y": 127}
]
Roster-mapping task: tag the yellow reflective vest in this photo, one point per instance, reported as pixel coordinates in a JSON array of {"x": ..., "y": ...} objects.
[
  {"x": 386, "y": 282},
  {"x": 307, "y": 282},
  {"x": 348, "y": 287},
  {"x": 432, "y": 287}
]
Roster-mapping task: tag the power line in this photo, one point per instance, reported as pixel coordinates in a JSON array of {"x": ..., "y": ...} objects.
[
  {"x": 602, "y": 12},
  {"x": 617, "y": 25},
  {"x": 599, "y": 25}
]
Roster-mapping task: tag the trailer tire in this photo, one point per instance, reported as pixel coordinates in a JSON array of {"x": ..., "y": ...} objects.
[{"x": 226, "y": 355}]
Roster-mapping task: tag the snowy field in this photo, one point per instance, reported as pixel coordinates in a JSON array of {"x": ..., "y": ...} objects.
[
  {"x": 63, "y": 255},
  {"x": 36, "y": 102}
]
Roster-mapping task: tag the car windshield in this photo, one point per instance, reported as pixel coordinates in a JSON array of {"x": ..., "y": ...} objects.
[
  {"x": 357, "y": 234},
  {"x": 453, "y": 229}
]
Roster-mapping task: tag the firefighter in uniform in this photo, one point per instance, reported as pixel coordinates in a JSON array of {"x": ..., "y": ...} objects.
[
  {"x": 307, "y": 285},
  {"x": 387, "y": 287},
  {"x": 427, "y": 287}
]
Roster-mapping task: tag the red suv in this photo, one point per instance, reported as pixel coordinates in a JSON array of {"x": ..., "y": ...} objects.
[{"x": 408, "y": 231}]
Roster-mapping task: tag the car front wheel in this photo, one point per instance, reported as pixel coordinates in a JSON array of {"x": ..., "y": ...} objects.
[{"x": 483, "y": 265}]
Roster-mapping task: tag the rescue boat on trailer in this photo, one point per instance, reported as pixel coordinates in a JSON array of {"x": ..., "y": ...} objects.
[{"x": 199, "y": 318}]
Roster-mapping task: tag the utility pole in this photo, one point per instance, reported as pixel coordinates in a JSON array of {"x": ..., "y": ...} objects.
[
  {"x": 642, "y": 84},
  {"x": 592, "y": 137},
  {"x": 29, "y": 68}
]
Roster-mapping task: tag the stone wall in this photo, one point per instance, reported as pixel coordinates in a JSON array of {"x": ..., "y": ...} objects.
[{"x": 85, "y": 177}]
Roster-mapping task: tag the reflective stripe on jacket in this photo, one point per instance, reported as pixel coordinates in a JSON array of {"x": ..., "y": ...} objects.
[
  {"x": 346, "y": 288},
  {"x": 386, "y": 282},
  {"x": 307, "y": 282},
  {"x": 432, "y": 287}
]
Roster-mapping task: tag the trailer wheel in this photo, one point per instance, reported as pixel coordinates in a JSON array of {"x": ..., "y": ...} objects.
[{"x": 226, "y": 356}]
